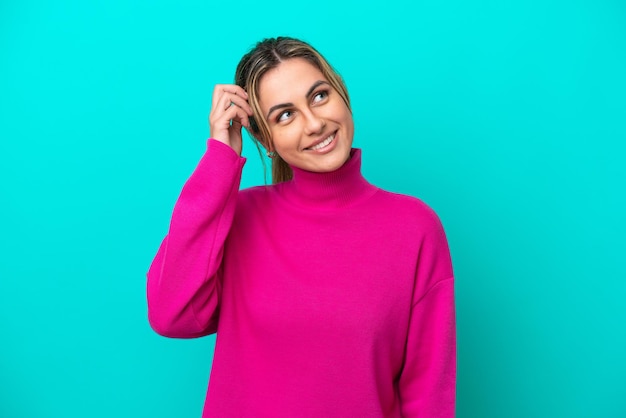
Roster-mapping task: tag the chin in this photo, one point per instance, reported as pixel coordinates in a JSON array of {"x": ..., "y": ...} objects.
[{"x": 333, "y": 163}]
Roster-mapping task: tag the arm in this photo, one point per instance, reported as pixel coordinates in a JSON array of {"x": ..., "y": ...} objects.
[
  {"x": 428, "y": 381},
  {"x": 183, "y": 284}
]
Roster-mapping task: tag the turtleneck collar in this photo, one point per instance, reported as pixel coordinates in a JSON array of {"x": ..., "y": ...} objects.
[{"x": 340, "y": 188}]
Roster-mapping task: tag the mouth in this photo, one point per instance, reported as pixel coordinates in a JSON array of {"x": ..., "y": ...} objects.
[{"x": 323, "y": 144}]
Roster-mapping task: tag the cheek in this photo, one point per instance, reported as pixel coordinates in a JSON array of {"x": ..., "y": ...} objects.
[
  {"x": 347, "y": 119},
  {"x": 340, "y": 108},
  {"x": 286, "y": 138}
]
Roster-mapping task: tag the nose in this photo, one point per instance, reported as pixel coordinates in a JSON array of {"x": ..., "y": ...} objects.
[{"x": 314, "y": 124}]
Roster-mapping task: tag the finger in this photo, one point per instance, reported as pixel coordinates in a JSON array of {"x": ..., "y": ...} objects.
[
  {"x": 240, "y": 116},
  {"x": 232, "y": 114},
  {"x": 221, "y": 89},
  {"x": 237, "y": 90},
  {"x": 221, "y": 106},
  {"x": 231, "y": 120},
  {"x": 235, "y": 124},
  {"x": 239, "y": 101},
  {"x": 230, "y": 100}
]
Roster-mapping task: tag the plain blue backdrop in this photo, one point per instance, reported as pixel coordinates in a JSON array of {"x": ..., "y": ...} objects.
[{"x": 508, "y": 118}]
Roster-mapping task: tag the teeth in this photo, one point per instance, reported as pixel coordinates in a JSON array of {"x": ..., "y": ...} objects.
[{"x": 323, "y": 143}]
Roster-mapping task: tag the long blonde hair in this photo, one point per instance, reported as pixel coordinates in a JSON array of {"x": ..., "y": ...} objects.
[{"x": 266, "y": 55}]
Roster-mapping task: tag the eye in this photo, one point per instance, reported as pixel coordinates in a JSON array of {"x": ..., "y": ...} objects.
[
  {"x": 284, "y": 116},
  {"x": 320, "y": 96}
]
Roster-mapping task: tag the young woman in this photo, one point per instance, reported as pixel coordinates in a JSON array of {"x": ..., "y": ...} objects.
[{"x": 330, "y": 297}]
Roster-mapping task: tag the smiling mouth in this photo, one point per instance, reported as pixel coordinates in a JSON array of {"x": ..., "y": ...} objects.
[{"x": 323, "y": 144}]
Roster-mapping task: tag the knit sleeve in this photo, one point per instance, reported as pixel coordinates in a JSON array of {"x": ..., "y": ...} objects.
[
  {"x": 428, "y": 380},
  {"x": 183, "y": 287}
]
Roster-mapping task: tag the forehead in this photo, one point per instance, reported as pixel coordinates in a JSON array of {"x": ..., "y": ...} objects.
[{"x": 289, "y": 81}]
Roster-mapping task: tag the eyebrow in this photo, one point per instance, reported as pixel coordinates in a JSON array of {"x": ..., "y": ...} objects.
[{"x": 307, "y": 95}]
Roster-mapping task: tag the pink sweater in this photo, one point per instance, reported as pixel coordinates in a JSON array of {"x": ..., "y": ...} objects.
[{"x": 330, "y": 297}]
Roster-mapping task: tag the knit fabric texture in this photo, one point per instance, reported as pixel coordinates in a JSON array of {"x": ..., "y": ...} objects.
[{"x": 330, "y": 297}]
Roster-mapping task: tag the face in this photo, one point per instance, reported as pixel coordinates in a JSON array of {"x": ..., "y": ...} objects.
[{"x": 310, "y": 125}]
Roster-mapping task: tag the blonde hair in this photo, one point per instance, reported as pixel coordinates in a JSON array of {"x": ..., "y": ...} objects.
[{"x": 266, "y": 55}]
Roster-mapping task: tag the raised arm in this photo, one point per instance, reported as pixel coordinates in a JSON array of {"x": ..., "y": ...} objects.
[{"x": 184, "y": 280}]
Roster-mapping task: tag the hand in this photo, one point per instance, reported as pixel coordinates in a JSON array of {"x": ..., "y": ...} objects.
[{"x": 229, "y": 112}]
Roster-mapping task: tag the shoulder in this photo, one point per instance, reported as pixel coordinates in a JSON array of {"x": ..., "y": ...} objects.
[
  {"x": 254, "y": 195},
  {"x": 409, "y": 210},
  {"x": 259, "y": 198}
]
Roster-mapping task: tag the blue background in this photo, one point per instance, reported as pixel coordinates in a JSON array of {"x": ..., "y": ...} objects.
[{"x": 508, "y": 118}]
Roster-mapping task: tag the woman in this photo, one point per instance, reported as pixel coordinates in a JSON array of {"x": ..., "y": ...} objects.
[{"x": 330, "y": 297}]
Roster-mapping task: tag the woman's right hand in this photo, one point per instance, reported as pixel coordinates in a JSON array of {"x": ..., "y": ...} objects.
[{"x": 229, "y": 112}]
